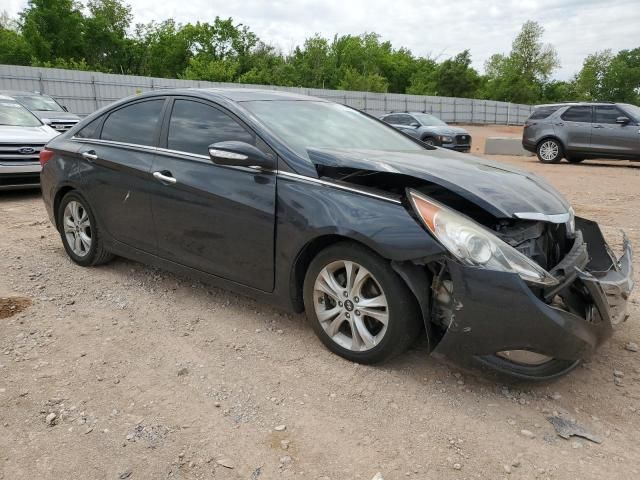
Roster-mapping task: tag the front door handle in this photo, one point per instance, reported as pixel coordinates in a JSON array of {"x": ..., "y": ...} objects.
[
  {"x": 559, "y": 124},
  {"x": 598, "y": 126},
  {"x": 164, "y": 177},
  {"x": 90, "y": 155}
]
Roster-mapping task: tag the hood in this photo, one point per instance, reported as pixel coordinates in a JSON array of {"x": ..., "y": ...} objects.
[
  {"x": 501, "y": 190},
  {"x": 41, "y": 134},
  {"x": 444, "y": 130},
  {"x": 55, "y": 115}
]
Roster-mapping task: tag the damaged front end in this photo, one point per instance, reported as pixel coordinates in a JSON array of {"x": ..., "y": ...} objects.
[{"x": 528, "y": 294}]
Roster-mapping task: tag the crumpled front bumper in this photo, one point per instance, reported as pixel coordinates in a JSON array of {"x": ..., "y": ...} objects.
[{"x": 497, "y": 311}]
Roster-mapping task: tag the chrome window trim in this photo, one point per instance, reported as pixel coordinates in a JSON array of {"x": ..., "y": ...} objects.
[
  {"x": 113, "y": 143},
  {"x": 303, "y": 178},
  {"x": 555, "y": 218}
]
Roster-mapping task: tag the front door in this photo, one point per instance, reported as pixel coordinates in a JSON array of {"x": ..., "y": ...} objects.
[
  {"x": 611, "y": 138},
  {"x": 216, "y": 219}
]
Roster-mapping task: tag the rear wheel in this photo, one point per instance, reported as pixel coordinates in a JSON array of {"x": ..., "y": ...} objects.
[
  {"x": 358, "y": 306},
  {"x": 79, "y": 232},
  {"x": 549, "y": 151}
]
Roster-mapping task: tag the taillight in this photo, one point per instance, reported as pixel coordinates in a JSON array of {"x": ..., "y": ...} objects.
[{"x": 45, "y": 156}]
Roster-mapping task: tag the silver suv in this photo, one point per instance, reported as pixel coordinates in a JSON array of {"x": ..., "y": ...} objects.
[{"x": 577, "y": 131}]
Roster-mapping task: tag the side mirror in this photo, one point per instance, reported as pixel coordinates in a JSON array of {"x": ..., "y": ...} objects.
[
  {"x": 623, "y": 120},
  {"x": 65, "y": 108},
  {"x": 238, "y": 154},
  {"x": 414, "y": 124}
]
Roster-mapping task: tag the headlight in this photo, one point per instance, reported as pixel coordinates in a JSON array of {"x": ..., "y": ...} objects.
[
  {"x": 473, "y": 244},
  {"x": 446, "y": 139}
]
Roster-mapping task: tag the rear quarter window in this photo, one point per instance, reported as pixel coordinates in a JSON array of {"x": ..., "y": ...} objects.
[{"x": 543, "y": 112}]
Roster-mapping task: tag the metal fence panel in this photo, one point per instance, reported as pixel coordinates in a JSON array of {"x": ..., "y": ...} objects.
[{"x": 85, "y": 92}]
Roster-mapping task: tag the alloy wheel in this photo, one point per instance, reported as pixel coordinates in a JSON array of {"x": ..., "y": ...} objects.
[
  {"x": 77, "y": 228},
  {"x": 350, "y": 305},
  {"x": 549, "y": 151}
]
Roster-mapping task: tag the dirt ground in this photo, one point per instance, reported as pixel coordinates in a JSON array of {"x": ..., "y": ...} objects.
[{"x": 124, "y": 371}]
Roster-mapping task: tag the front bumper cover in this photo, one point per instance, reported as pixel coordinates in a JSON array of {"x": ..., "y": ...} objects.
[{"x": 497, "y": 311}]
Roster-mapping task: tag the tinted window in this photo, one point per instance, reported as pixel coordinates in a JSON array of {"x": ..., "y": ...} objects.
[
  {"x": 134, "y": 123},
  {"x": 194, "y": 126},
  {"x": 577, "y": 114},
  {"x": 607, "y": 114},
  {"x": 391, "y": 119},
  {"x": 543, "y": 112},
  {"x": 90, "y": 130},
  {"x": 404, "y": 120}
]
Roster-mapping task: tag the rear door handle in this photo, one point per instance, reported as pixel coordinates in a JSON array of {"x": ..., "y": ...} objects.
[
  {"x": 598, "y": 126},
  {"x": 90, "y": 155},
  {"x": 559, "y": 124},
  {"x": 164, "y": 177}
]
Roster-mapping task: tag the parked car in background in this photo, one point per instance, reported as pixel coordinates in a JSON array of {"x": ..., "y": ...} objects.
[
  {"x": 316, "y": 206},
  {"x": 578, "y": 131},
  {"x": 45, "y": 108},
  {"x": 22, "y": 138},
  {"x": 431, "y": 130}
]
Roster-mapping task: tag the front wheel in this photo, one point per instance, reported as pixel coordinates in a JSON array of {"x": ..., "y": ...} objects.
[
  {"x": 358, "y": 305},
  {"x": 549, "y": 151},
  {"x": 429, "y": 141}
]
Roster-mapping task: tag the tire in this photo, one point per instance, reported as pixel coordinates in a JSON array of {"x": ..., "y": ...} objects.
[
  {"x": 575, "y": 160},
  {"x": 429, "y": 141},
  {"x": 386, "y": 327},
  {"x": 552, "y": 368},
  {"x": 549, "y": 151},
  {"x": 78, "y": 229}
]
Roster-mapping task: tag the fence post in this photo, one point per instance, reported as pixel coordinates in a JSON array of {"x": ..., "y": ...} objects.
[
  {"x": 406, "y": 104},
  {"x": 425, "y": 104},
  {"x": 473, "y": 102},
  {"x": 365, "y": 102},
  {"x": 454, "y": 110},
  {"x": 94, "y": 90},
  {"x": 508, "y": 112},
  {"x": 386, "y": 110},
  {"x": 41, "y": 83}
]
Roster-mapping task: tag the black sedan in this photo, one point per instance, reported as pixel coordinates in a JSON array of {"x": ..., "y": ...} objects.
[{"x": 315, "y": 206}]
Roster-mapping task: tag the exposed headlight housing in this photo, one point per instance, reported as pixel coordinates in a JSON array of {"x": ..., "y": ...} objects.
[
  {"x": 446, "y": 139},
  {"x": 473, "y": 244}
]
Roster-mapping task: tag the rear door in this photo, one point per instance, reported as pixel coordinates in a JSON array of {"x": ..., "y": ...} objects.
[
  {"x": 216, "y": 219},
  {"x": 116, "y": 158},
  {"x": 611, "y": 138},
  {"x": 574, "y": 128}
]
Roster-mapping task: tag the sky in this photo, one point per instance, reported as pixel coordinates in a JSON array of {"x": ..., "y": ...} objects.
[{"x": 435, "y": 28}]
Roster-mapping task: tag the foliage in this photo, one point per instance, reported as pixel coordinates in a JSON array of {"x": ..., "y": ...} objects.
[{"x": 99, "y": 36}]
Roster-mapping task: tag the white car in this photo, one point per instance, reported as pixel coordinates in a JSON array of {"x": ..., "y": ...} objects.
[{"x": 22, "y": 136}]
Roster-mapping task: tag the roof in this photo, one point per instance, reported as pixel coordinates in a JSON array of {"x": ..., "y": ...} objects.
[
  {"x": 253, "y": 94},
  {"x": 565, "y": 104},
  {"x": 17, "y": 92}
]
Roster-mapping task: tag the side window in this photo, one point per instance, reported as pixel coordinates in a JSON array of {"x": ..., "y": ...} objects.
[
  {"x": 90, "y": 130},
  {"x": 411, "y": 120},
  {"x": 134, "y": 123},
  {"x": 607, "y": 114},
  {"x": 577, "y": 114},
  {"x": 391, "y": 119},
  {"x": 404, "y": 120},
  {"x": 194, "y": 126},
  {"x": 543, "y": 112}
]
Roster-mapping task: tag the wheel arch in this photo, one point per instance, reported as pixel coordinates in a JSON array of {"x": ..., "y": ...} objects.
[{"x": 62, "y": 191}]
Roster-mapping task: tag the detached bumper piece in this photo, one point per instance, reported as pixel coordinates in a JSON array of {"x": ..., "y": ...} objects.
[{"x": 491, "y": 313}]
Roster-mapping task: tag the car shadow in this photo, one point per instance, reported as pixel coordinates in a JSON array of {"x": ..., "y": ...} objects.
[{"x": 26, "y": 194}]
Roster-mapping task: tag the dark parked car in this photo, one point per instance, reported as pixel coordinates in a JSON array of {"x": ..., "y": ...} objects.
[
  {"x": 577, "y": 131},
  {"x": 316, "y": 206},
  {"x": 431, "y": 130},
  {"x": 45, "y": 108}
]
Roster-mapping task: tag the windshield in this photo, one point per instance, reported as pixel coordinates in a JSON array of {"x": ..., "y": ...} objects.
[
  {"x": 39, "y": 102},
  {"x": 14, "y": 114},
  {"x": 633, "y": 110},
  {"x": 308, "y": 124},
  {"x": 428, "y": 120}
]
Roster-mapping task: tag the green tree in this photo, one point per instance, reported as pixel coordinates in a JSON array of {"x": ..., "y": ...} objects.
[
  {"x": 520, "y": 76},
  {"x": 422, "y": 80},
  {"x": 105, "y": 38},
  {"x": 53, "y": 29},
  {"x": 455, "y": 77},
  {"x": 14, "y": 49},
  {"x": 356, "y": 81},
  {"x": 589, "y": 82}
]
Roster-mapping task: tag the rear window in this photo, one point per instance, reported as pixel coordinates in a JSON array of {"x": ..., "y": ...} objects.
[
  {"x": 543, "y": 112},
  {"x": 136, "y": 123}
]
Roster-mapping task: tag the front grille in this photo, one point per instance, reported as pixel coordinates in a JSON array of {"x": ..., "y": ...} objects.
[
  {"x": 20, "y": 152},
  {"x": 62, "y": 125},
  {"x": 15, "y": 179},
  {"x": 463, "y": 139}
]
